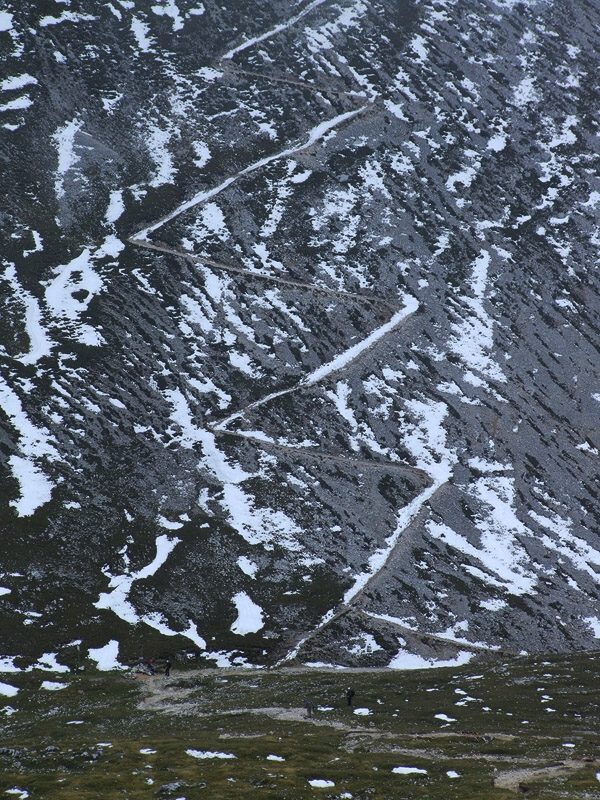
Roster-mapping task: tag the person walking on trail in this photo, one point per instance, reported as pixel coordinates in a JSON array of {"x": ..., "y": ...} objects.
[
  {"x": 349, "y": 695},
  {"x": 309, "y": 705},
  {"x": 167, "y": 668}
]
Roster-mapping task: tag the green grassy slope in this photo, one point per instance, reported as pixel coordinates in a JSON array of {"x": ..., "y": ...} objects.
[{"x": 528, "y": 722}]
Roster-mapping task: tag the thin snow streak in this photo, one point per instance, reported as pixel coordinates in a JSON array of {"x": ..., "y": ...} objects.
[
  {"x": 318, "y": 132},
  {"x": 377, "y": 562},
  {"x": 273, "y": 31},
  {"x": 339, "y": 362}
]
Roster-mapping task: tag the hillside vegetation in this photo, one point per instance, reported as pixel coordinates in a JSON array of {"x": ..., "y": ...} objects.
[{"x": 524, "y": 726}]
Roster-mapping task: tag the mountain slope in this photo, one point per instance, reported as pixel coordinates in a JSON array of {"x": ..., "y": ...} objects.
[{"x": 300, "y": 329}]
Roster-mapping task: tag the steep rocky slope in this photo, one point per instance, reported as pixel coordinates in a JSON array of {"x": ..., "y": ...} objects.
[{"x": 299, "y": 324}]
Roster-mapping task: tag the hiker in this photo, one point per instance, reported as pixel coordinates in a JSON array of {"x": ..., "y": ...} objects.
[
  {"x": 309, "y": 705},
  {"x": 167, "y": 668},
  {"x": 349, "y": 695},
  {"x": 150, "y": 666}
]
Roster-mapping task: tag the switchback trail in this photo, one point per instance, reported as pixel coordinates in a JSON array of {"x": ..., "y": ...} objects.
[{"x": 381, "y": 557}]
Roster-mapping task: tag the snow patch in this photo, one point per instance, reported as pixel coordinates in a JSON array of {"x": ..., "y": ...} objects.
[
  {"x": 169, "y": 9},
  {"x": 363, "y": 644},
  {"x": 405, "y": 660},
  {"x": 53, "y": 686},
  {"x": 106, "y": 657},
  {"x": 140, "y": 30},
  {"x": 594, "y": 624},
  {"x": 409, "y": 771},
  {"x": 7, "y": 664},
  {"x": 157, "y": 142},
  {"x": 64, "y": 138},
  {"x": 473, "y": 339},
  {"x": 35, "y": 487},
  {"x": 6, "y": 19},
  {"x": 17, "y": 82},
  {"x": 116, "y": 206},
  {"x": 500, "y": 550},
  {"x": 66, "y": 16},
  {"x": 250, "y": 615},
  {"x": 497, "y": 143},
  {"x": 248, "y": 567},
  {"x": 117, "y": 600},
  {"x": 69, "y": 294},
  {"x": 209, "y": 754},
  {"x": 525, "y": 93},
  {"x": 49, "y": 662}
]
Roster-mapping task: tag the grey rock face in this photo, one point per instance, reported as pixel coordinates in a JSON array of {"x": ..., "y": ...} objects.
[{"x": 299, "y": 330}]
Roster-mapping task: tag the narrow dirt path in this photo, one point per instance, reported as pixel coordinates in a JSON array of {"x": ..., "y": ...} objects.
[
  {"x": 319, "y": 455},
  {"x": 163, "y": 697},
  {"x": 291, "y": 282},
  {"x": 516, "y": 780}
]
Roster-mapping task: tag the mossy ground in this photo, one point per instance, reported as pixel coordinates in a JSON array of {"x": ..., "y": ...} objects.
[{"x": 87, "y": 740}]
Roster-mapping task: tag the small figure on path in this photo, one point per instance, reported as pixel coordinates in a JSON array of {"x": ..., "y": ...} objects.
[
  {"x": 309, "y": 705},
  {"x": 349, "y": 695},
  {"x": 150, "y": 666},
  {"x": 167, "y": 668}
]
